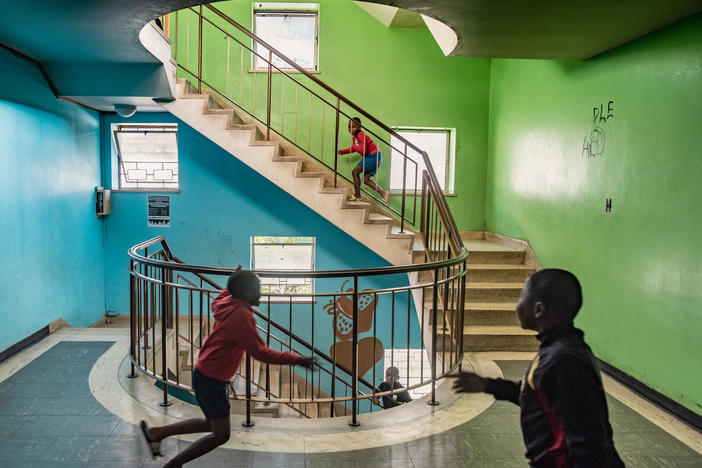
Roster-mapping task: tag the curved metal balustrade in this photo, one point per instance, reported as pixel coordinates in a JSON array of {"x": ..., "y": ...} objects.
[{"x": 408, "y": 307}]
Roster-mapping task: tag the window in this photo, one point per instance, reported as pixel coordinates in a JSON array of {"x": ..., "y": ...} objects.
[
  {"x": 439, "y": 145},
  {"x": 283, "y": 253},
  {"x": 147, "y": 157},
  {"x": 290, "y": 28}
]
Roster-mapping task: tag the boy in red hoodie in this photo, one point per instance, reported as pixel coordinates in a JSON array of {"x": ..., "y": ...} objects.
[
  {"x": 234, "y": 333},
  {"x": 371, "y": 160}
]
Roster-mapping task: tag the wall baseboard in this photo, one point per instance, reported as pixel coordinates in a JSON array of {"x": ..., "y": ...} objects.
[
  {"x": 25, "y": 343},
  {"x": 689, "y": 417}
]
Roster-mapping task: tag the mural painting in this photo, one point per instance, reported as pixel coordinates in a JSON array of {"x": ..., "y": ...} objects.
[{"x": 370, "y": 349}]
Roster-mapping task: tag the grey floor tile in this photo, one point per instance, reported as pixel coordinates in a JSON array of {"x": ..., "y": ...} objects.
[
  {"x": 95, "y": 409},
  {"x": 44, "y": 426},
  {"x": 261, "y": 459},
  {"x": 72, "y": 449},
  {"x": 91, "y": 425},
  {"x": 10, "y": 424},
  {"x": 63, "y": 406},
  {"x": 497, "y": 446},
  {"x": 18, "y": 406},
  {"x": 124, "y": 428},
  {"x": 442, "y": 462},
  {"x": 121, "y": 449},
  {"x": 51, "y": 464},
  {"x": 437, "y": 447},
  {"x": 668, "y": 446},
  {"x": 24, "y": 449}
]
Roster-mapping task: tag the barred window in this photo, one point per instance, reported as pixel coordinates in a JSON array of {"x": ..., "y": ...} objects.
[
  {"x": 283, "y": 253},
  {"x": 291, "y": 28},
  {"x": 147, "y": 156}
]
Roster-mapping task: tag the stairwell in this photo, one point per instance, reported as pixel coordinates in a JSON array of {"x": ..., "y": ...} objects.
[
  {"x": 293, "y": 171},
  {"x": 497, "y": 270}
]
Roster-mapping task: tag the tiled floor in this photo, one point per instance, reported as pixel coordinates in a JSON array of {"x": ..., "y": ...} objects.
[{"x": 48, "y": 417}]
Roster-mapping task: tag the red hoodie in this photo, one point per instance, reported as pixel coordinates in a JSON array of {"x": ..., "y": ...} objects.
[
  {"x": 234, "y": 332},
  {"x": 362, "y": 144}
]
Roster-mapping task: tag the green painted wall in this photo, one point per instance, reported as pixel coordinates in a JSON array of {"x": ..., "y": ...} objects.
[
  {"x": 398, "y": 75},
  {"x": 639, "y": 264}
]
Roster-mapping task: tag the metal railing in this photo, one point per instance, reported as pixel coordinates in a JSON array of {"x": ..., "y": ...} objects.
[
  {"x": 170, "y": 300},
  {"x": 219, "y": 56},
  {"x": 170, "y": 318}
]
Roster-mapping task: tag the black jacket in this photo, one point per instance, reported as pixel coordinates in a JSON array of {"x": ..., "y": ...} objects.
[{"x": 563, "y": 408}]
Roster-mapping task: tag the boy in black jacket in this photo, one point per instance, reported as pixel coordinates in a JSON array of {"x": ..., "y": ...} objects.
[{"x": 563, "y": 408}]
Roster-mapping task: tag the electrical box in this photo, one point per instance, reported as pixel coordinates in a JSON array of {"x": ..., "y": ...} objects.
[{"x": 102, "y": 201}]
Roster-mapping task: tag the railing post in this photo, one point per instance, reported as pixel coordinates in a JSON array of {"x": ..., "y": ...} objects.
[
  {"x": 268, "y": 105},
  {"x": 199, "y": 53},
  {"x": 336, "y": 142},
  {"x": 354, "y": 356},
  {"x": 434, "y": 305},
  {"x": 461, "y": 311},
  {"x": 132, "y": 319},
  {"x": 404, "y": 189},
  {"x": 248, "y": 422},
  {"x": 164, "y": 357}
]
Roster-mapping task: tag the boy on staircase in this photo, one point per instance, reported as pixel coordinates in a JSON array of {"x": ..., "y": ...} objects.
[
  {"x": 233, "y": 334},
  {"x": 371, "y": 159}
]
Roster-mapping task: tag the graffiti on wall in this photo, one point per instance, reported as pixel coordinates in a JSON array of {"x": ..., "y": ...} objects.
[
  {"x": 370, "y": 349},
  {"x": 594, "y": 143}
]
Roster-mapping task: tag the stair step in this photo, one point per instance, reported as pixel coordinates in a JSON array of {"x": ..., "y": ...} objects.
[
  {"x": 355, "y": 204},
  {"x": 499, "y": 338},
  {"x": 496, "y": 256},
  {"x": 377, "y": 218},
  {"x": 397, "y": 234},
  {"x": 488, "y": 314},
  {"x": 497, "y": 272}
]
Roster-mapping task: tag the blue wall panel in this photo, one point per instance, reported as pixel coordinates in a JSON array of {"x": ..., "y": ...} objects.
[{"x": 50, "y": 240}]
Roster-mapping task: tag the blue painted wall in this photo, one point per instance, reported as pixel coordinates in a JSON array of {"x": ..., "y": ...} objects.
[
  {"x": 51, "y": 242},
  {"x": 221, "y": 204}
]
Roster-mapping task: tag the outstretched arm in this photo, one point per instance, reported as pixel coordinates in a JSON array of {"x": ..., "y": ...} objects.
[
  {"x": 501, "y": 389},
  {"x": 255, "y": 346}
]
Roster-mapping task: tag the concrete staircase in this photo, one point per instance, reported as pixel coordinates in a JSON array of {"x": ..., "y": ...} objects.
[
  {"x": 497, "y": 270},
  {"x": 496, "y": 274},
  {"x": 293, "y": 171}
]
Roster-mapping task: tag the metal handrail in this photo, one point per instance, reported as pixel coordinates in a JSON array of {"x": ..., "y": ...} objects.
[
  {"x": 152, "y": 287},
  {"x": 159, "y": 302},
  {"x": 339, "y": 97}
]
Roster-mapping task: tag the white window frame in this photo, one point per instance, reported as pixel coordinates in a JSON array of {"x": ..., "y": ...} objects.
[
  {"x": 448, "y": 183},
  {"x": 284, "y": 9},
  {"x": 118, "y": 164},
  {"x": 273, "y": 299}
]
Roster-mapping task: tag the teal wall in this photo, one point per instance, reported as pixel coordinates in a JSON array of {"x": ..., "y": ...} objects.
[
  {"x": 548, "y": 178},
  {"x": 50, "y": 237},
  {"x": 398, "y": 75},
  {"x": 221, "y": 204}
]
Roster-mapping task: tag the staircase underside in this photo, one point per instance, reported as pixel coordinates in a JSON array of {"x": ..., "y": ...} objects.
[{"x": 294, "y": 172}]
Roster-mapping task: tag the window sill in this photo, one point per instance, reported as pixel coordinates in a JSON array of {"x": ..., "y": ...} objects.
[
  {"x": 398, "y": 193},
  {"x": 283, "y": 300},
  {"x": 146, "y": 191},
  {"x": 292, "y": 70}
]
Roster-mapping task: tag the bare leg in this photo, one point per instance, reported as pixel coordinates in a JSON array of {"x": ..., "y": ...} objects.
[
  {"x": 373, "y": 185},
  {"x": 356, "y": 181},
  {"x": 189, "y": 426},
  {"x": 221, "y": 430}
]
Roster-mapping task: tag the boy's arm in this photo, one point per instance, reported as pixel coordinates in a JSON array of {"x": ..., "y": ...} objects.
[
  {"x": 501, "y": 389},
  {"x": 573, "y": 392},
  {"x": 345, "y": 151},
  {"x": 249, "y": 339}
]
